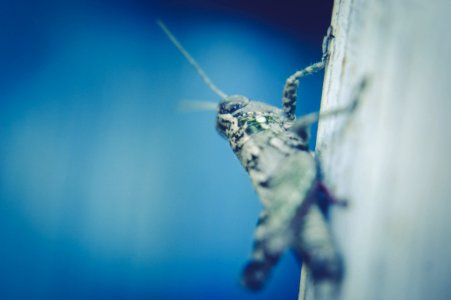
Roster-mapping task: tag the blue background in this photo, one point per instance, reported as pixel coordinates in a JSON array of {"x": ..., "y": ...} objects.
[{"x": 107, "y": 191}]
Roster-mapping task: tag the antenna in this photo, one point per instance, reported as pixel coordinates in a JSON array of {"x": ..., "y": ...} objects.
[
  {"x": 191, "y": 60},
  {"x": 192, "y": 105}
]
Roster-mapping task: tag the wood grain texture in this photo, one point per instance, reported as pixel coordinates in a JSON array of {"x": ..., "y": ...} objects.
[{"x": 392, "y": 157}]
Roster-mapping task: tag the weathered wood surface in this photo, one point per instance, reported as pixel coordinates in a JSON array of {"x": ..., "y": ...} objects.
[{"x": 391, "y": 158}]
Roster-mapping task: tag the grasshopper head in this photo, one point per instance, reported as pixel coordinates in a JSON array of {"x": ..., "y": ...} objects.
[
  {"x": 232, "y": 104},
  {"x": 228, "y": 114}
]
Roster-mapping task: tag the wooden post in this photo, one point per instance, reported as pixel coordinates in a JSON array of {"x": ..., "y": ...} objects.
[{"x": 391, "y": 158}]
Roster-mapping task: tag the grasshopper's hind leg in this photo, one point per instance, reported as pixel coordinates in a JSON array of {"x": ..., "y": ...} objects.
[
  {"x": 263, "y": 257},
  {"x": 315, "y": 246}
]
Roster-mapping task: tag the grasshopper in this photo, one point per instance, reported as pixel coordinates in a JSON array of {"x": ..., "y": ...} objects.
[{"x": 273, "y": 148}]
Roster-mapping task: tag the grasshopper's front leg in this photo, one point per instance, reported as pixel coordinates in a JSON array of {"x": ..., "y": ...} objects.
[
  {"x": 291, "y": 87},
  {"x": 292, "y": 83}
]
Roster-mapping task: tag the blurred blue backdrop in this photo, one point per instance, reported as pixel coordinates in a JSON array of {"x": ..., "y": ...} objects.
[{"x": 106, "y": 190}]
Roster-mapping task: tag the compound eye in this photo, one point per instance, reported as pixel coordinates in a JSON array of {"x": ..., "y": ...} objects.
[{"x": 230, "y": 107}]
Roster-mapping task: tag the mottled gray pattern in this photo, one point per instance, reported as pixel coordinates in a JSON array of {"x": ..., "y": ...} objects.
[{"x": 284, "y": 174}]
